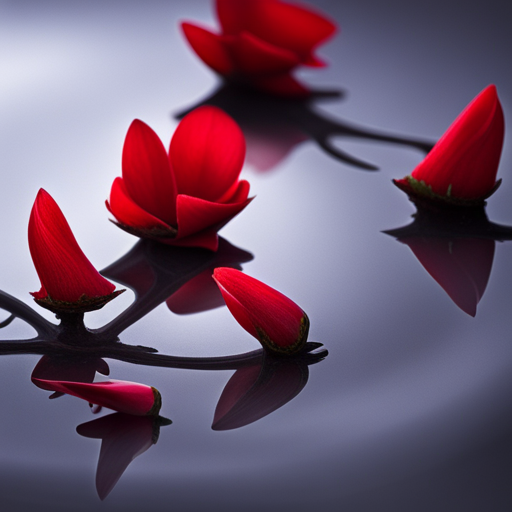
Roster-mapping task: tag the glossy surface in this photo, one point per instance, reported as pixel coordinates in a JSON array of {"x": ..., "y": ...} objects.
[{"x": 411, "y": 409}]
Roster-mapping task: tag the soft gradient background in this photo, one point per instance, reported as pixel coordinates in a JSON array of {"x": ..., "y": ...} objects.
[{"x": 412, "y": 410}]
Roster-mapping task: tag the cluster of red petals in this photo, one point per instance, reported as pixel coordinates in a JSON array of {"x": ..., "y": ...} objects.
[
  {"x": 185, "y": 196},
  {"x": 69, "y": 282},
  {"x": 121, "y": 396},
  {"x": 461, "y": 168},
  {"x": 261, "y": 42},
  {"x": 276, "y": 321}
]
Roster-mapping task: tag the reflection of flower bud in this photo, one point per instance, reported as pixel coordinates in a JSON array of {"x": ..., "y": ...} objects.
[
  {"x": 124, "y": 437},
  {"x": 69, "y": 282},
  {"x": 261, "y": 42},
  {"x": 185, "y": 197},
  {"x": 276, "y": 321},
  {"x": 461, "y": 168},
  {"x": 256, "y": 391},
  {"x": 122, "y": 396}
]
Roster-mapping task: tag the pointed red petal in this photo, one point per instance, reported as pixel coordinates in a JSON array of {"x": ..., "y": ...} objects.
[
  {"x": 209, "y": 47},
  {"x": 127, "y": 212},
  {"x": 65, "y": 272},
  {"x": 122, "y": 396},
  {"x": 207, "y": 152},
  {"x": 147, "y": 174},
  {"x": 461, "y": 266},
  {"x": 254, "y": 56},
  {"x": 275, "y": 320},
  {"x": 196, "y": 215},
  {"x": 464, "y": 162}
]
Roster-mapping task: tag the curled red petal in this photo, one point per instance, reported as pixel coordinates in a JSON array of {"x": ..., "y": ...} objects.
[
  {"x": 274, "y": 319},
  {"x": 146, "y": 172},
  {"x": 63, "y": 269},
  {"x": 464, "y": 162},
  {"x": 122, "y": 396},
  {"x": 253, "y": 56},
  {"x": 296, "y": 28},
  {"x": 233, "y": 15},
  {"x": 196, "y": 215},
  {"x": 128, "y": 212},
  {"x": 207, "y": 152},
  {"x": 209, "y": 47}
]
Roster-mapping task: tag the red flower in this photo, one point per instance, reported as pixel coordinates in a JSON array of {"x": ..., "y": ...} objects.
[
  {"x": 185, "y": 197},
  {"x": 69, "y": 282},
  {"x": 121, "y": 396},
  {"x": 261, "y": 42},
  {"x": 461, "y": 168},
  {"x": 271, "y": 317}
]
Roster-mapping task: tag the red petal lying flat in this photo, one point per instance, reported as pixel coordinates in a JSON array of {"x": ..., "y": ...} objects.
[
  {"x": 146, "y": 172},
  {"x": 127, "y": 212},
  {"x": 209, "y": 47},
  {"x": 196, "y": 215},
  {"x": 464, "y": 162},
  {"x": 207, "y": 152},
  {"x": 461, "y": 266},
  {"x": 124, "y": 438},
  {"x": 295, "y": 28},
  {"x": 121, "y": 396},
  {"x": 256, "y": 391},
  {"x": 65, "y": 272},
  {"x": 252, "y": 56},
  {"x": 271, "y": 317}
]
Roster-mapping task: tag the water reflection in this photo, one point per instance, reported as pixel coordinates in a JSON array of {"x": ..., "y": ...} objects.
[
  {"x": 273, "y": 127},
  {"x": 456, "y": 247}
]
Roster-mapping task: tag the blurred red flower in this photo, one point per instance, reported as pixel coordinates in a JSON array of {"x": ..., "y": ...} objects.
[
  {"x": 69, "y": 282},
  {"x": 276, "y": 321},
  {"x": 461, "y": 168},
  {"x": 186, "y": 196},
  {"x": 261, "y": 42}
]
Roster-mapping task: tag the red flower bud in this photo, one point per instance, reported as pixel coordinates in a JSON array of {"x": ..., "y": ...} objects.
[
  {"x": 276, "y": 321},
  {"x": 69, "y": 282},
  {"x": 461, "y": 168},
  {"x": 261, "y": 42},
  {"x": 121, "y": 396},
  {"x": 185, "y": 197}
]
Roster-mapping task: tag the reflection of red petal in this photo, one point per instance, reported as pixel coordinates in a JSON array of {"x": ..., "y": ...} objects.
[
  {"x": 126, "y": 211},
  {"x": 146, "y": 172},
  {"x": 462, "y": 266},
  {"x": 81, "y": 369},
  {"x": 209, "y": 47},
  {"x": 282, "y": 85},
  {"x": 198, "y": 294},
  {"x": 271, "y": 317},
  {"x": 122, "y": 396},
  {"x": 254, "y": 392},
  {"x": 63, "y": 269},
  {"x": 467, "y": 155},
  {"x": 124, "y": 437},
  {"x": 253, "y": 56},
  {"x": 207, "y": 152}
]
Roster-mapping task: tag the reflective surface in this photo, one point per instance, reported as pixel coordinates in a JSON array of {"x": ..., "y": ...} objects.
[{"x": 411, "y": 409}]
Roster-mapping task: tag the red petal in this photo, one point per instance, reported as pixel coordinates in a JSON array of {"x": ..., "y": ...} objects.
[
  {"x": 196, "y": 215},
  {"x": 468, "y": 154},
  {"x": 209, "y": 47},
  {"x": 296, "y": 28},
  {"x": 207, "y": 152},
  {"x": 147, "y": 174},
  {"x": 121, "y": 396},
  {"x": 126, "y": 211},
  {"x": 253, "y": 56},
  {"x": 65, "y": 272},
  {"x": 267, "y": 314},
  {"x": 461, "y": 266}
]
